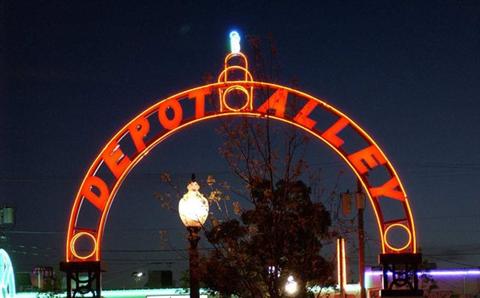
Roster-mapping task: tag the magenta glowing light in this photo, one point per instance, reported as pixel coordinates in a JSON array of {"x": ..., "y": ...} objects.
[{"x": 453, "y": 272}]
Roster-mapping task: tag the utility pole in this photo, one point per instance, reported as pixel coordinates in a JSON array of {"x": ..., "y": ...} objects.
[
  {"x": 341, "y": 266},
  {"x": 360, "y": 202}
]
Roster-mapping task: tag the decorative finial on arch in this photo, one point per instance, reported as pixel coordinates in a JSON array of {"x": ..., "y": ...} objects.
[
  {"x": 235, "y": 70},
  {"x": 235, "y": 67}
]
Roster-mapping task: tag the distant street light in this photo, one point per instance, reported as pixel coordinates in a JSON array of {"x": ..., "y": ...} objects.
[
  {"x": 137, "y": 277},
  {"x": 193, "y": 211},
  {"x": 137, "y": 274},
  {"x": 291, "y": 287}
]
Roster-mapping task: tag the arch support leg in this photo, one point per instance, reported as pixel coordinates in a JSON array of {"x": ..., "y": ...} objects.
[
  {"x": 400, "y": 275},
  {"x": 83, "y": 278}
]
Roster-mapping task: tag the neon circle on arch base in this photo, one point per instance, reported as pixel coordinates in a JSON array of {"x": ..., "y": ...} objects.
[
  {"x": 210, "y": 102},
  {"x": 73, "y": 245}
]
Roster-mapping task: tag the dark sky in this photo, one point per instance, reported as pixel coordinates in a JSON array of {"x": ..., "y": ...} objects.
[{"x": 72, "y": 73}]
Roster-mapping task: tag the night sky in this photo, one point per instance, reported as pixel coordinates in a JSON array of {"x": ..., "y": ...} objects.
[{"x": 73, "y": 73}]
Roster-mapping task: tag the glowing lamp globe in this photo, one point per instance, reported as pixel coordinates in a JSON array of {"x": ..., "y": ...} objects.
[{"x": 193, "y": 207}]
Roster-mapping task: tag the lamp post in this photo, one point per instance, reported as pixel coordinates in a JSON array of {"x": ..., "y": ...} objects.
[
  {"x": 360, "y": 202},
  {"x": 193, "y": 211}
]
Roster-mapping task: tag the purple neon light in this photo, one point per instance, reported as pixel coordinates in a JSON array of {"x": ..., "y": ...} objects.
[{"x": 434, "y": 272}]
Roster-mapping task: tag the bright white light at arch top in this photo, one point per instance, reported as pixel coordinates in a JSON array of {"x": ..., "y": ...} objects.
[{"x": 234, "y": 42}]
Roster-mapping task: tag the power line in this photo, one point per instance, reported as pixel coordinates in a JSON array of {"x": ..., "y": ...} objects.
[{"x": 418, "y": 165}]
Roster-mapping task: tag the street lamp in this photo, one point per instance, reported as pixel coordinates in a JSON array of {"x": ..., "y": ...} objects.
[{"x": 193, "y": 211}]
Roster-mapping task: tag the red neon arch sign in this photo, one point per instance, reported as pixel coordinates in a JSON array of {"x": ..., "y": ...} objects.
[{"x": 112, "y": 165}]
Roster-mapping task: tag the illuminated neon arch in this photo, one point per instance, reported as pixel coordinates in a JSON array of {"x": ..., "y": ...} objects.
[
  {"x": 235, "y": 84},
  {"x": 7, "y": 278}
]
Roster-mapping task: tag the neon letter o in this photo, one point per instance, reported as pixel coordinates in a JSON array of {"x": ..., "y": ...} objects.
[{"x": 177, "y": 114}]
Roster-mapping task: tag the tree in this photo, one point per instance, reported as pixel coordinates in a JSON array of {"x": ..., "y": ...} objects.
[
  {"x": 278, "y": 231},
  {"x": 279, "y": 237}
]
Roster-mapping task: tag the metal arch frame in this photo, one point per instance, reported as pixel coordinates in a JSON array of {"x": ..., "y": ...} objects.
[
  {"x": 7, "y": 278},
  {"x": 119, "y": 164}
]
